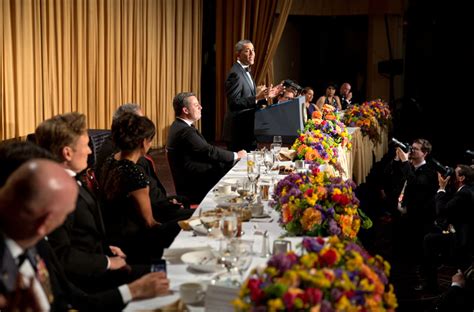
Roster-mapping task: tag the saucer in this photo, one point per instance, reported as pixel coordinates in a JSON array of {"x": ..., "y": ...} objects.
[{"x": 262, "y": 216}]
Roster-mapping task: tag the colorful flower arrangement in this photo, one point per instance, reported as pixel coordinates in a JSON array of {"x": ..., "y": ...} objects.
[
  {"x": 331, "y": 275},
  {"x": 316, "y": 146},
  {"x": 328, "y": 122},
  {"x": 316, "y": 203},
  {"x": 364, "y": 117},
  {"x": 381, "y": 111}
]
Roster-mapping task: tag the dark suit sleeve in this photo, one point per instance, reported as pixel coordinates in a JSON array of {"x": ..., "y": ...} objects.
[
  {"x": 234, "y": 87},
  {"x": 202, "y": 149},
  {"x": 73, "y": 259},
  {"x": 67, "y": 295}
]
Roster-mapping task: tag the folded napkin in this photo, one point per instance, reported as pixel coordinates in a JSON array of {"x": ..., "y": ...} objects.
[{"x": 287, "y": 154}]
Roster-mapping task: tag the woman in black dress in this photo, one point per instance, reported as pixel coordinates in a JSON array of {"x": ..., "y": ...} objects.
[{"x": 128, "y": 195}]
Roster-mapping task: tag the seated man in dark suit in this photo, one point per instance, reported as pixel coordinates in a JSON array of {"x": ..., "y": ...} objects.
[
  {"x": 81, "y": 243},
  {"x": 38, "y": 196},
  {"x": 195, "y": 164}
]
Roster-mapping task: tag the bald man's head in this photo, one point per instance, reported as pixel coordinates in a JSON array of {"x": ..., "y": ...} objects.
[{"x": 38, "y": 196}]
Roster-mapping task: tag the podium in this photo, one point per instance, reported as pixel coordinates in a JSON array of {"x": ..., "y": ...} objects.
[{"x": 284, "y": 119}]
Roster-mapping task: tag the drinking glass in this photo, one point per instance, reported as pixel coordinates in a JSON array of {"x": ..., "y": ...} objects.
[
  {"x": 228, "y": 224},
  {"x": 253, "y": 171},
  {"x": 277, "y": 139},
  {"x": 268, "y": 160}
]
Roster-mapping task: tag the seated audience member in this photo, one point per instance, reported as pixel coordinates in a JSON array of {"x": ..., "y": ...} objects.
[
  {"x": 458, "y": 297},
  {"x": 457, "y": 210},
  {"x": 38, "y": 196},
  {"x": 329, "y": 98},
  {"x": 308, "y": 97},
  {"x": 129, "y": 197},
  {"x": 81, "y": 242},
  {"x": 167, "y": 207},
  {"x": 15, "y": 153},
  {"x": 287, "y": 95},
  {"x": 345, "y": 95},
  {"x": 195, "y": 164}
]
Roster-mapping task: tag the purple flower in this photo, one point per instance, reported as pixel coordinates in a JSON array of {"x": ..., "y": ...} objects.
[
  {"x": 326, "y": 306},
  {"x": 312, "y": 244},
  {"x": 334, "y": 228},
  {"x": 282, "y": 262}
]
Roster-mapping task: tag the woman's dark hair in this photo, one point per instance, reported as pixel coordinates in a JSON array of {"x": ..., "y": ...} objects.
[{"x": 129, "y": 131}]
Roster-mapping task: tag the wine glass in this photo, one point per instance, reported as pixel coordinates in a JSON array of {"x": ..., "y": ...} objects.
[
  {"x": 253, "y": 171},
  {"x": 228, "y": 225},
  {"x": 268, "y": 160}
]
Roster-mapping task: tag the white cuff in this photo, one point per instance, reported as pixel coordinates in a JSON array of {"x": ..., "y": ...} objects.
[
  {"x": 454, "y": 284},
  {"x": 441, "y": 190},
  {"x": 108, "y": 262},
  {"x": 235, "y": 156},
  {"x": 125, "y": 293}
]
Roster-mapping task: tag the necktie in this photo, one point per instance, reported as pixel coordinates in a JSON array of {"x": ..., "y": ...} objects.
[{"x": 248, "y": 69}]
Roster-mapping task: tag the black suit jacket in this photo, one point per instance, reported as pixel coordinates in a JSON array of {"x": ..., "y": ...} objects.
[
  {"x": 195, "y": 164},
  {"x": 81, "y": 247},
  {"x": 66, "y": 295},
  {"x": 240, "y": 114},
  {"x": 458, "y": 209},
  {"x": 420, "y": 191}
]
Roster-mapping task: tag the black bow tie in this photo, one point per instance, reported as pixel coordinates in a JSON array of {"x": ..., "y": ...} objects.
[
  {"x": 27, "y": 254},
  {"x": 248, "y": 69}
]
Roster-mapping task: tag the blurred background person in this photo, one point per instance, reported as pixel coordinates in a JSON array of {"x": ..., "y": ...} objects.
[
  {"x": 345, "y": 95},
  {"x": 308, "y": 93},
  {"x": 329, "y": 98}
]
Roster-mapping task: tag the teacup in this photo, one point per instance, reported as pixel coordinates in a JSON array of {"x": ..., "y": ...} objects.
[
  {"x": 191, "y": 293},
  {"x": 224, "y": 189},
  {"x": 281, "y": 246}
]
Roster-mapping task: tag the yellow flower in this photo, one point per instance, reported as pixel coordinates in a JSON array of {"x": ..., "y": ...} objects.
[{"x": 275, "y": 305}]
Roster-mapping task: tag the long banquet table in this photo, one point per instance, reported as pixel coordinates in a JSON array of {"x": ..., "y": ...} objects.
[{"x": 356, "y": 163}]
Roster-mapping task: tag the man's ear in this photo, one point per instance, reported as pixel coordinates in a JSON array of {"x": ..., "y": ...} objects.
[
  {"x": 43, "y": 225},
  {"x": 185, "y": 110},
  {"x": 67, "y": 153}
]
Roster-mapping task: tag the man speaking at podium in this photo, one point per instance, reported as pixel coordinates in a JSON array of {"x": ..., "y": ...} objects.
[{"x": 243, "y": 98}]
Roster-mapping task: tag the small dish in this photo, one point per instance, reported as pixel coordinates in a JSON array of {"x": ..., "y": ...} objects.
[{"x": 202, "y": 261}]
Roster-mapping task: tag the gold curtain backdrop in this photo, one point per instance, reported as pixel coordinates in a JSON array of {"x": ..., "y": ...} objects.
[{"x": 91, "y": 56}]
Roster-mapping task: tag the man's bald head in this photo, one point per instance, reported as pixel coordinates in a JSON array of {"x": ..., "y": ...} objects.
[{"x": 35, "y": 200}]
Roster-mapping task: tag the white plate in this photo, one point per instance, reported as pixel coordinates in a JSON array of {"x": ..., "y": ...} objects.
[
  {"x": 228, "y": 200},
  {"x": 229, "y": 181},
  {"x": 202, "y": 261}
]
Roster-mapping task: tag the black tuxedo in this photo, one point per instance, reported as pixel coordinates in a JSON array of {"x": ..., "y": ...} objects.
[
  {"x": 66, "y": 295},
  {"x": 81, "y": 246},
  {"x": 195, "y": 164},
  {"x": 240, "y": 114},
  {"x": 459, "y": 211}
]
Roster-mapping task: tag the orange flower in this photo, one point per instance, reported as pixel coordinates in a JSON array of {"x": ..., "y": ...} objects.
[
  {"x": 311, "y": 217},
  {"x": 317, "y": 115},
  {"x": 311, "y": 154}
]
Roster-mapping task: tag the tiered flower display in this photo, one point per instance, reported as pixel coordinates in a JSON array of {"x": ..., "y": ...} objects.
[
  {"x": 331, "y": 275},
  {"x": 369, "y": 116},
  {"x": 328, "y": 122},
  {"x": 316, "y": 203},
  {"x": 381, "y": 111},
  {"x": 363, "y": 116},
  {"x": 316, "y": 146}
]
